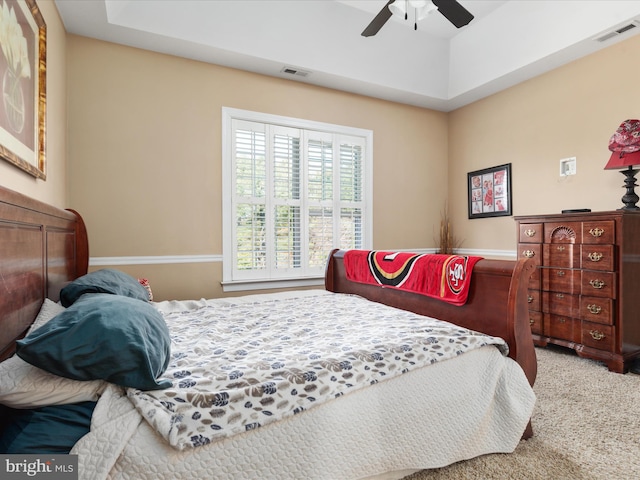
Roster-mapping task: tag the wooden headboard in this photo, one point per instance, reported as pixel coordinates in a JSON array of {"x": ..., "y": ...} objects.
[{"x": 43, "y": 248}]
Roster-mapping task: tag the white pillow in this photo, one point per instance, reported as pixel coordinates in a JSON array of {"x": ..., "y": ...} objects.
[
  {"x": 24, "y": 386},
  {"x": 48, "y": 310}
]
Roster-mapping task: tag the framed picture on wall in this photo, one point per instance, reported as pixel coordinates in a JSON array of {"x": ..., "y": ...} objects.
[
  {"x": 23, "y": 57},
  {"x": 489, "y": 192}
]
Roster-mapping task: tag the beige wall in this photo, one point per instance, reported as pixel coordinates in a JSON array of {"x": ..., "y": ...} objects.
[
  {"x": 53, "y": 190},
  {"x": 145, "y": 156},
  {"x": 571, "y": 111},
  {"x": 145, "y": 153}
]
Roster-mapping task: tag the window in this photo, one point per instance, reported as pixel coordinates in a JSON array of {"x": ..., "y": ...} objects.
[{"x": 292, "y": 191}]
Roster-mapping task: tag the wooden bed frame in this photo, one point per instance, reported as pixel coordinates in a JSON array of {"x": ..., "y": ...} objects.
[
  {"x": 497, "y": 303},
  {"x": 44, "y": 248}
]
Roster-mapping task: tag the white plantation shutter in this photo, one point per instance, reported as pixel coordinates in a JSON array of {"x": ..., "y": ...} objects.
[
  {"x": 351, "y": 194},
  {"x": 287, "y": 201},
  {"x": 319, "y": 211},
  {"x": 294, "y": 194},
  {"x": 250, "y": 185}
]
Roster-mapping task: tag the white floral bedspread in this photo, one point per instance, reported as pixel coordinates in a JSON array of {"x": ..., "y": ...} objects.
[{"x": 239, "y": 366}]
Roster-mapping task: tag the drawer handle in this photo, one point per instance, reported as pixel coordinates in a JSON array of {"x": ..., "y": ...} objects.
[
  {"x": 560, "y": 248},
  {"x": 596, "y": 335},
  {"x": 529, "y": 299},
  {"x": 595, "y": 256},
  {"x": 529, "y": 232},
  {"x": 531, "y": 321},
  {"x": 596, "y": 232},
  {"x": 529, "y": 253},
  {"x": 559, "y": 295},
  {"x": 598, "y": 284},
  {"x": 595, "y": 309},
  {"x": 562, "y": 320},
  {"x": 560, "y": 273}
]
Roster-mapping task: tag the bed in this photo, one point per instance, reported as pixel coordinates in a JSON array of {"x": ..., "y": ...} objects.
[{"x": 420, "y": 406}]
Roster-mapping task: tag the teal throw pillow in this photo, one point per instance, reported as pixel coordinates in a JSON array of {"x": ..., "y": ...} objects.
[
  {"x": 103, "y": 337},
  {"x": 106, "y": 280}
]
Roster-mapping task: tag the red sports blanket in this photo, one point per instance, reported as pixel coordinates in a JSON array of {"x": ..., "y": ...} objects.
[{"x": 445, "y": 277}]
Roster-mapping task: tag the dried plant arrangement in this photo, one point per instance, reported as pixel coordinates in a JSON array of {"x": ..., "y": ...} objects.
[{"x": 447, "y": 242}]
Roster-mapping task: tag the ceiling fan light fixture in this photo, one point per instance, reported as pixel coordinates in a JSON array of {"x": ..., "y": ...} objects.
[
  {"x": 422, "y": 8},
  {"x": 450, "y": 9}
]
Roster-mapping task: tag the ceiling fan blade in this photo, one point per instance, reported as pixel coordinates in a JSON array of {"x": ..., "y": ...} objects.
[
  {"x": 454, "y": 12},
  {"x": 378, "y": 22}
]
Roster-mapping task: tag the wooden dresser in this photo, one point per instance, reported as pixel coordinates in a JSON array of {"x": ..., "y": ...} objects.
[{"x": 585, "y": 293}]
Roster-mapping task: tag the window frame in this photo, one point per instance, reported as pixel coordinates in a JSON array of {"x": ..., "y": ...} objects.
[{"x": 231, "y": 284}]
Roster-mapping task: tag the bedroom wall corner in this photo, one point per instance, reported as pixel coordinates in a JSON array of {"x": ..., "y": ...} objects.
[{"x": 53, "y": 190}]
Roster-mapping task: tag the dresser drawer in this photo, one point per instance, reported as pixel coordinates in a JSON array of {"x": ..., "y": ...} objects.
[
  {"x": 533, "y": 298},
  {"x": 535, "y": 321},
  {"x": 563, "y": 327},
  {"x": 530, "y": 233},
  {"x": 597, "y": 335},
  {"x": 598, "y": 284},
  {"x": 563, "y": 232},
  {"x": 596, "y": 309},
  {"x": 562, "y": 280},
  {"x": 561, "y": 255},
  {"x": 534, "y": 252},
  {"x": 597, "y": 257},
  {"x": 600, "y": 232},
  {"x": 561, "y": 304}
]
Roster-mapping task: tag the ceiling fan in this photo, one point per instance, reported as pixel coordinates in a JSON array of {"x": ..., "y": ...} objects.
[{"x": 451, "y": 9}]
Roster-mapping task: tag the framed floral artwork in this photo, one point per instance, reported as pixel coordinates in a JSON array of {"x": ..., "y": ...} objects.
[
  {"x": 489, "y": 192},
  {"x": 23, "y": 40}
]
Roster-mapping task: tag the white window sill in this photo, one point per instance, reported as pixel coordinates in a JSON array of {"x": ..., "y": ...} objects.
[{"x": 246, "y": 285}]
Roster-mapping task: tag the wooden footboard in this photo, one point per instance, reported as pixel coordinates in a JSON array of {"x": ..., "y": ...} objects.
[{"x": 496, "y": 305}]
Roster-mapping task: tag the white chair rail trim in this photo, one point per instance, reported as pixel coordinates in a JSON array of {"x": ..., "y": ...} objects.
[
  {"x": 153, "y": 260},
  {"x": 167, "y": 259}
]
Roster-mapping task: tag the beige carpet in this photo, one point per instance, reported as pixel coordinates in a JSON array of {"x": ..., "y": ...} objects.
[{"x": 586, "y": 426}]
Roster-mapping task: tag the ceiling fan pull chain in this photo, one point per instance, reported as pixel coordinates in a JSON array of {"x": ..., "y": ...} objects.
[
  {"x": 406, "y": 9},
  {"x": 415, "y": 19}
]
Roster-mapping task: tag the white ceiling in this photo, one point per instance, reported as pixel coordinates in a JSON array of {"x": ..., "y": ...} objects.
[{"x": 437, "y": 66}]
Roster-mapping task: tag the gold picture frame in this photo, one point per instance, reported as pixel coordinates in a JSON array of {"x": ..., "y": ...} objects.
[{"x": 23, "y": 84}]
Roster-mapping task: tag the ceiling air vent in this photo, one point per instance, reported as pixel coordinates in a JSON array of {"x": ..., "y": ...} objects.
[
  {"x": 295, "y": 71},
  {"x": 618, "y": 31}
]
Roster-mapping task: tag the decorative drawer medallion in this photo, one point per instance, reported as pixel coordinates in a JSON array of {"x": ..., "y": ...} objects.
[
  {"x": 598, "y": 284},
  {"x": 561, "y": 255},
  {"x": 531, "y": 233},
  {"x": 563, "y": 232},
  {"x": 561, "y": 303},
  {"x": 597, "y": 335},
  {"x": 596, "y": 309},
  {"x": 563, "y": 327},
  {"x": 600, "y": 232},
  {"x": 597, "y": 257},
  {"x": 562, "y": 280}
]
